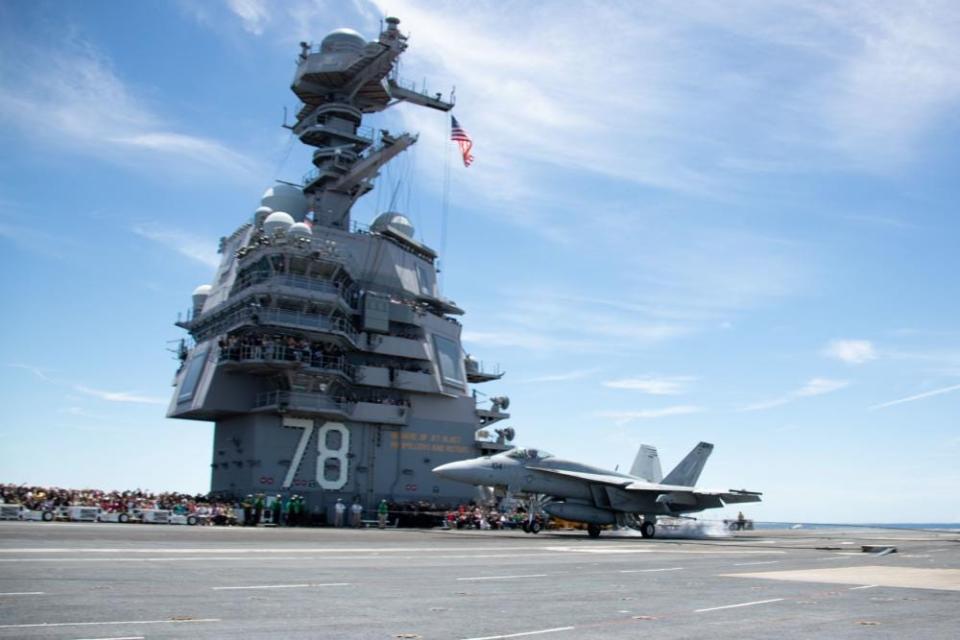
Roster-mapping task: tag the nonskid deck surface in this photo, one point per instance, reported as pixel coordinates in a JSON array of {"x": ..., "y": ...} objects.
[{"x": 130, "y": 581}]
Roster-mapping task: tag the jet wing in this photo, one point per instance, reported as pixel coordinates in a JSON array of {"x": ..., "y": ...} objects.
[
  {"x": 734, "y": 496},
  {"x": 617, "y": 481},
  {"x": 677, "y": 494}
]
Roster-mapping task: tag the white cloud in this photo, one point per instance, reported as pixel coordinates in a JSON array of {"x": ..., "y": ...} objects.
[
  {"x": 120, "y": 396},
  {"x": 255, "y": 14},
  {"x": 814, "y": 387},
  {"x": 200, "y": 249},
  {"x": 919, "y": 396},
  {"x": 566, "y": 376},
  {"x": 654, "y": 385},
  {"x": 623, "y": 417},
  {"x": 70, "y": 96},
  {"x": 37, "y": 371},
  {"x": 80, "y": 412},
  {"x": 851, "y": 351}
]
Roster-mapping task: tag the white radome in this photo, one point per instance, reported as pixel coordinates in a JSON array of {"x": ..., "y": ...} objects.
[
  {"x": 203, "y": 290},
  {"x": 342, "y": 41},
  {"x": 260, "y": 215},
  {"x": 277, "y": 222},
  {"x": 394, "y": 221},
  {"x": 285, "y": 197},
  {"x": 300, "y": 230}
]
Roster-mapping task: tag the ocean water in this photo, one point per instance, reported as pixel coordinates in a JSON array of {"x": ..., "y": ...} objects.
[{"x": 929, "y": 526}]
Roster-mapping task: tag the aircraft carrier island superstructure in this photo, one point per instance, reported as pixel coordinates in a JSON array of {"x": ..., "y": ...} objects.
[{"x": 325, "y": 353}]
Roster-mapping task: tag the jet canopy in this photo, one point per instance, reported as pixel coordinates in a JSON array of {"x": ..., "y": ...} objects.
[{"x": 528, "y": 454}]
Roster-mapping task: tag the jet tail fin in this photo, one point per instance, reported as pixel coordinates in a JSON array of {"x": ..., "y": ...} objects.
[
  {"x": 647, "y": 464},
  {"x": 688, "y": 471}
]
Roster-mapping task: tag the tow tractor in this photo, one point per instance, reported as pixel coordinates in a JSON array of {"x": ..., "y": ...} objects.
[
  {"x": 740, "y": 524},
  {"x": 19, "y": 512}
]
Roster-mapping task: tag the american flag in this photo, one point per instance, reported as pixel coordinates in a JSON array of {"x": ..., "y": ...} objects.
[{"x": 458, "y": 135}]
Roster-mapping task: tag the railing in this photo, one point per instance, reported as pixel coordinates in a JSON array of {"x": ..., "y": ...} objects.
[
  {"x": 260, "y": 315},
  {"x": 283, "y": 353},
  {"x": 288, "y": 280},
  {"x": 411, "y": 86},
  {"x": 301, "y": 400}
]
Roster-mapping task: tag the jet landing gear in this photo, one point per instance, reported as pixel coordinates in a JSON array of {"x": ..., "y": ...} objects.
[
  {"x": 647, "y": 529},
  {"x": 593, "y": 530}
]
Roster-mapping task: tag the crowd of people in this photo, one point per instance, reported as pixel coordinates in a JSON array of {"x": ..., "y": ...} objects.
[
  {"x": 267, "y": 346},
  {"x": 49, "y": 498},
  {"x": 256, "y": 509},
  {"x": 477, "y": 517}
]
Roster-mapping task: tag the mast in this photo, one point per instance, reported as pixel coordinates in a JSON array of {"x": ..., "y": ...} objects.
[{"x": 338, "y": 83}]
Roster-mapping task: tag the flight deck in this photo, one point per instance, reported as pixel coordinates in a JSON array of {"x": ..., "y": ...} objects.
[{"x": 77, "y": 580}]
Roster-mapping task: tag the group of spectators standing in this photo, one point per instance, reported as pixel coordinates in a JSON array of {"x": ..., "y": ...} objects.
[
  {"x": 48, "y": 498},
  {"x": 255, "y": 509},
  {"x": 477, "y": 517},
  {"x": 268, "y": 346}
]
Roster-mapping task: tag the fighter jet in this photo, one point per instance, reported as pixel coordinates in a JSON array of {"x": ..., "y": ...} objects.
[{"x": 597, "y": 497}]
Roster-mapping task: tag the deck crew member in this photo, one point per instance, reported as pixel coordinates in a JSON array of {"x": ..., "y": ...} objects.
[{"x": 382, "y": 511}]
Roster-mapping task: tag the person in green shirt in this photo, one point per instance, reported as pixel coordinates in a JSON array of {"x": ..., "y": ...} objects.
[
  {"x": 382, "y": 511},
  {"x": 296, "y": 511},
  {"x": 257, "y": 509}
]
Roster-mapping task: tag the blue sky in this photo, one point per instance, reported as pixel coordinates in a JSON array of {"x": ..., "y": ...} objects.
[{"x": 733, "y": 222}]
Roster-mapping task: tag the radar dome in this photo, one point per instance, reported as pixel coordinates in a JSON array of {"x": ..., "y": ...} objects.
[
  {"x": 342, "y": 41},
  {"x": 260, "y": 215},
  {"x": 285, "y": 197},
  {"x": 200, "y": 295},
  {"x": 277, "y": 222},
  {"x": 395, "y": 222},
  {"x": 300, "y": 230}
]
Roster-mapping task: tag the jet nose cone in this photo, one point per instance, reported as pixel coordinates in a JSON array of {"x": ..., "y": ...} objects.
[{"x": 460, "y": 471}]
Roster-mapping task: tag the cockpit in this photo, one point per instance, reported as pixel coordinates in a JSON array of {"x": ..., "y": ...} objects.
[{"x": 528, "y": 454}]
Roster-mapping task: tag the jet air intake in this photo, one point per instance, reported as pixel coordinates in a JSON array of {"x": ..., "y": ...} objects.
[{"x": 580, "y": 513}]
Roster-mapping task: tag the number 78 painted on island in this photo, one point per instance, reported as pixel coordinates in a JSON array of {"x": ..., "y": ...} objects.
[{"x": 323, "y": 453}]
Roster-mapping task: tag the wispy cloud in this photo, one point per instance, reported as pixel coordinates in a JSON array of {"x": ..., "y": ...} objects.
[
  {"x": 624, "y": 417},
  {"x": 814, "y": 387},
  {"x": 851, "y": 351},
  {"x": 37, "y": 371},
  {"x": 566, "y": 376},
  {"x": 254, "y": 14},
  {"x": 80, "y": 412},
  {"x": 919, "y": 396},
  {"x": 70, "y": 95},
  {"x": 654, "y": 385},
  {"x": 200, "y": 249},
  {"x": 538, "y": 320},
  {"x": 120, "y": 396}
]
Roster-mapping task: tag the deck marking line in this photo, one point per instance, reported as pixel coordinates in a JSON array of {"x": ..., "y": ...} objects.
[
  {"x": 283, "y": 586},
  {"x": 747, "y": 564},
  {"x": 651, "y": 570},
  {"x": 865, "y": 586},
  {"x": 116, "y": 638},
  {"x": 735, "y": 606},
  {"x": 523, "y": 633},
  {"x": 529, "y": 575},
  {"x": 23, "y": 593},
  {"x": 39, "y": 625}
]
